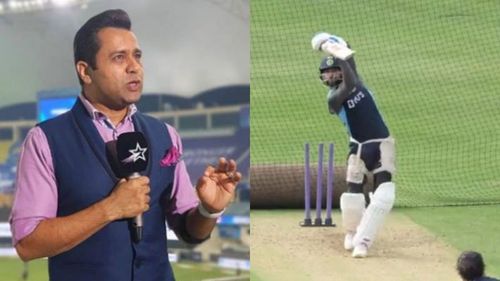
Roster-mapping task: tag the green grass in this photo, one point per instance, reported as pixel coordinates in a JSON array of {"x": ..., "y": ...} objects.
[
  {"x": 254, "y": 276},
  {"x": 465, "y": 228},
  {"x": 432, "y": 66},
  {"x": 12, "y": 268},
  {"x": 193, "y": 272}
]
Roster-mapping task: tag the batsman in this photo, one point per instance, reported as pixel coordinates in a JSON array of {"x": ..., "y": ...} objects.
[{"x": 371, "y": 147}]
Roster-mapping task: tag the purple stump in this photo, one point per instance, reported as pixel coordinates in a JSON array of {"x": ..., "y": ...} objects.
[
  {"x": 329, "y": 187},
  {"x": 307, "y": 187},
  {"x": 319, "y": 183}
]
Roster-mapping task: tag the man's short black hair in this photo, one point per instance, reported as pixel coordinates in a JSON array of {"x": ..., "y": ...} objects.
[
  {"x": 86, "y": 43},
  {"x": 470, "y": 265}
]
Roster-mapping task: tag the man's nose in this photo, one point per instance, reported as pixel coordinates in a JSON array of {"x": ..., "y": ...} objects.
[{"x": 133, "y": 65}]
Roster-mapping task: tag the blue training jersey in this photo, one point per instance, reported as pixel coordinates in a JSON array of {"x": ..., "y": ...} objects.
[{"x": 361, "y": 117}]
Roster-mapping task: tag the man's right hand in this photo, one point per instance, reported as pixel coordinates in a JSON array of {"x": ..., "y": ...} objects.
[
  {"x": 331, "y": 45},
  {"x": 57, "y": 235},
  {"x": 128, "y": 199}
]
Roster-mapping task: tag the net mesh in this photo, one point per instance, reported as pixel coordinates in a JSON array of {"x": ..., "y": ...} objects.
[{"x": 433, "y": 69}]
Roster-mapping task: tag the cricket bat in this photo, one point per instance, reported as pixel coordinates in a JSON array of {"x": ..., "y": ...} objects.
[{"x": 332, "y": 45}]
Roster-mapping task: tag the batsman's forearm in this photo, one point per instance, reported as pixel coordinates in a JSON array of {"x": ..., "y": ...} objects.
[
  {"x": 198, "y": 226},
  {"x": 352, "y": 64},
  {"x": 350, "y": 78},
  {"x": 57, "y": 235},
  {"x": 349, "y": 82}
]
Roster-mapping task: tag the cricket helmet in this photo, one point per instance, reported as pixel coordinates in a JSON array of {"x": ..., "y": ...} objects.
[{"x": 327, "y": 63}]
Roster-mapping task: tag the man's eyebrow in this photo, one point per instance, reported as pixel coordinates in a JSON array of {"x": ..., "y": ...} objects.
[
  {"x": 118, "y": 52},
  {"x": 136, "y": 50}
]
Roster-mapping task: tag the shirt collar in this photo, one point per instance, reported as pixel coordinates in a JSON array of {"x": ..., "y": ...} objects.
[{"x": 97, "y": 115}]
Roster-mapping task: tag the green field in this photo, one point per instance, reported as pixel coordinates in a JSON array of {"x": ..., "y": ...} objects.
[
  {"x": 465, "y": 228},
  {"x": 11, "y": 269},
  {"x": 432, "y": 66}
]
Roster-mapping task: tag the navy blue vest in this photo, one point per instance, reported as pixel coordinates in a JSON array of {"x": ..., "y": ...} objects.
[
  {"x": 360, "y": 115},
  {"x": 84, "y": 177}
]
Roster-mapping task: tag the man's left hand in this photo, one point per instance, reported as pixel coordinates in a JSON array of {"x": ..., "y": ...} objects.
[{"x": 217, "y": 185}]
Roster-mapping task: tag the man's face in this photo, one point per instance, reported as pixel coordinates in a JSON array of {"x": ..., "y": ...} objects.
[
  {"x": 118, "y": 77},
  {"x": 332, "y": 76}
]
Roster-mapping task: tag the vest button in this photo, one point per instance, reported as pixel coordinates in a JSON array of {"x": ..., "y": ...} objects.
[{"x": 138, "y": 263}]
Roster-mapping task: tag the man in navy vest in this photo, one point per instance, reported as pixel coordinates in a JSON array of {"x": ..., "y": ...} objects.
[
  {"x": 71, "y": 207},
  {"x": 371, "y": 146}
]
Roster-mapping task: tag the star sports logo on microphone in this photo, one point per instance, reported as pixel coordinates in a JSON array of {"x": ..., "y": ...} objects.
[{"x": 136, "y": 154}]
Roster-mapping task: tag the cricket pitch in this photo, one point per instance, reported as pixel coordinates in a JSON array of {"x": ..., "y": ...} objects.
[{"x": 282, "y": 250}]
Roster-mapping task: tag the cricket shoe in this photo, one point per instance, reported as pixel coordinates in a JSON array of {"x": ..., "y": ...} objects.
[
  {"x": 360, "y": 251},
  {"x": 348, "y": 241}
]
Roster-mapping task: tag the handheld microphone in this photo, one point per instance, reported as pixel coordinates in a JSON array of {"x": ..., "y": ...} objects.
[{"x": 132, "y": 151}]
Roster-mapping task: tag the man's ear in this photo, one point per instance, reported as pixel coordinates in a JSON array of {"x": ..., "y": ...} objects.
[{"x": 82, "y": 68}]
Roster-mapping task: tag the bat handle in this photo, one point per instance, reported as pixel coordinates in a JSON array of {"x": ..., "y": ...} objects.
[{"x": 337, "y": 50}]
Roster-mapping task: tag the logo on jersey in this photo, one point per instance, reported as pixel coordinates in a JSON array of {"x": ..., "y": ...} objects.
[{"x": 351, "y": 103}]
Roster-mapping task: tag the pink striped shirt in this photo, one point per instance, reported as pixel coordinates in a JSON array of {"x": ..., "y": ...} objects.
[{"x": 36, "y": 191}]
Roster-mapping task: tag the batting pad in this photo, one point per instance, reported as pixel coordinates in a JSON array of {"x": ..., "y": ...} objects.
[
  {"x": 380, "y": 206},
  {"x": 352, "y": 206}
]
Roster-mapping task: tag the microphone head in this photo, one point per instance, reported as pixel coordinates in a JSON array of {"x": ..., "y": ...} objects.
[{"x": 133, "y": 152}]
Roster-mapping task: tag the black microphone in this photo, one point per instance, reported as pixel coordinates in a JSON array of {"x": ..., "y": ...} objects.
[{"x": 132, "y": 151}]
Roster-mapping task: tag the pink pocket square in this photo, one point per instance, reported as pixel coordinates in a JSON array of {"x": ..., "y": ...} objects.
[{"x": 172, "y": 157}]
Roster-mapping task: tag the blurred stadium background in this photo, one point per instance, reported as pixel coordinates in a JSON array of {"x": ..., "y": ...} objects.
[{"x": 196, "y": 60}]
